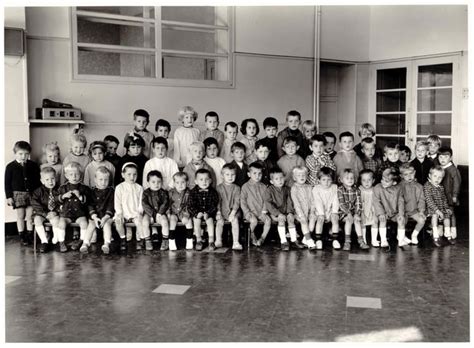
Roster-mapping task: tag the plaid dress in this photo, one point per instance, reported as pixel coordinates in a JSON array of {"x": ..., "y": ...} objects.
[
  {"x": 314, "y": 165},
  {"x": 436, "y": 199},
  {"x": 203, "y": 201},
  {"x": 349, "y": 201}
]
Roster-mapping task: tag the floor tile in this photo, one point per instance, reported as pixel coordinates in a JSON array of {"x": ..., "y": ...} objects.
[
  {"x": 361, "y": 257},
  {"x": 171, "y": 289},
  {"x": 364, "y": 302},
  {"x": 11, "y": 279}
]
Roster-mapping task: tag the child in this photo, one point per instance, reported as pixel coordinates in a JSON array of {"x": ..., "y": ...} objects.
[
  {"x": 368, "y": 216},
  {"x": 134, "y": 145},
  {"x": 197, "y": 162},
  {"x": 270, "y": 126},
  {"x": 421, "y": 163},
  {"x": 111, "y": 144},
  {"x": 308, "y": 128},
  {"x": 228, "y": 209},
  {"x": 262, "y": 153},
  {"x": 178, "y": 210},
  {"x": 241, "y": 168},
  {"x": 451, "y": 183},
  {"x": 389, "y": 205},
  {"x": 392, "y": 160},
  {"x": 366, "y": 130},
  {"x": 347, "y": 157},
  {"x": 45, "y": 207},
  {"x": 280, "y": 208},
  {"x": 101, "y": 210},
  {"x": 127, "y": 203},
  {"x": 212, "y": 122},
  {"x": 22, "y": 177},
  {"x": 369, "y": 161},
  {"x": 216, "y": 163},
  {"x": 73, "y": 197},
  {"x": 327, "y": 206},
  {"x": 330, "y": 144},
  {"x": 434, "y": 142},
  {"x": 293, "y": 120},
  {"x": 437, "y": 205},
  {"x": 185, "y": 135},
  {"x": 252, "y": 203},
  {"x": 97, "y": 153},
  {"x": 414, "y": 198},
  {"x": 249, "y": 129},
  {"x": 163, "y": 129},
  {"x": 51, "y": 155},
  {"x": 318, "y": 159},
  {"x": 203, "y": 202},
  {"x": 230, "y": 135},
  {"x": 141, "y": 119},
  {"x": 160, "y": 162},
  {"x": 290, "y": 160},
  {"x": 303, "y": 202},
  {"x": 76, "y": 154},
  {"x": 155, "y": 203},
  {"x": 405, "y": 154}
]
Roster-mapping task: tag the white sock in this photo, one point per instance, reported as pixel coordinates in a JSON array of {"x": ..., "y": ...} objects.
[
  {"x": 435, "y": 232},
  {"x": 83, "y": 233},
  {"x": 61, "y": 235},
  {"x": 40, "y": 231},
  {"x": 383, "y": 234},
  {"x": 374, "y": 231},
  {"x": 454, "y": 232},
  {"x": 400, "y": 236},
  {"x": 414, "y": 234},
  {"x": 447, "y": 232},
  {"x": 282, "y": 234},
  {"x": 292, "y": 231}
]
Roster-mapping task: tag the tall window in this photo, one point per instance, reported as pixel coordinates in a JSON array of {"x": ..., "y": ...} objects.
[{"x": 163, "y": 45}]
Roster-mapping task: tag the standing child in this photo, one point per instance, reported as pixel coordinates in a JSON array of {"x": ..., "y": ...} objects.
[
  {"x": 270, "y": 126},
  {"x": 197, "y": 162},
  {"x": 22, "y": 177},
  {"x": 327, "y": 206},
  {"x": 185, "y": 135},
  {"x": 369, "y": 161},
  {"x": 101, "y": 210},
  {"x": 228, "y": 209},
  {"x": 97, "y": 153},
  {"x": 230, "y": 135},
  {"x": 290, "y": 160},
  {"x": 366, "y": 130},
  {"x": 262, "y": 154},
  {"x": 160, "y": 162},
  {"x": 391, "y": 160},
  {"x": 350, "y": 208},
  {"x": 241, "y": 168},
  {"x": 155, "y": 203},
  {"x": 293, "y": 120},
  {"x": 212, "y": 122},
  {"x": 318, "y": 159},
  {"x": 127, "y": 203},
  {"x": 216, "y": 163},
  {"x": 421, "y": 163},
  {"x": 308, "y": 128},
  {"x": 141, "y": 119},
  {"x": 253, "y": 203},
  {"x": 368, "y": 216},
  {"x": 347, "y": 157},
  {"x": 111, "y": 144},
  {"x": 203, "y": 202},
  {"x": 51, "y": 155},
  {"x": 330, "y": 144},
  {"x": 76, "y": 154},
  {"x": 134, "y": 145},
  {"x": 405, "y": 154},
  {"x": 163, "y": 129},
  {"x": 178, "y": 211},
  {"x": 249, "y": 129},
  {"x": 434, "y": 142}
]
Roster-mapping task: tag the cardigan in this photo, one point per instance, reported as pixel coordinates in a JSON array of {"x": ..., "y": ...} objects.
[
  {"x": 21, "y": 178},
  {"x": 40, "y": 201},
  {"x": 155, "y": 202},
  {"x": 422, "y": 169},
  {"x": 101, "y": 202}
]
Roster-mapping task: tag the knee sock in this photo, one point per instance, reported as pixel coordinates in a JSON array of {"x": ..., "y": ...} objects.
[
  {"x": 400, "y": 236},
  {"x": 61, "y": 235},
  {"x": 454, "y": 232},
  {"x": 318, "y": 236},
  {"x": 172, "y": 234},
  {"x": 282, "y": 234},
  {"x": 293, "y": 234},
  {"x": 414, "y": 234},
  {"x": 374, "y": 231},
  {"x": 82, "y": 234},
  {"x": 40, "y": 231},
  {"x": 447, "y": 232},
  {"x": 383, "y": 234},
  {"x": 189, "y": 233}
]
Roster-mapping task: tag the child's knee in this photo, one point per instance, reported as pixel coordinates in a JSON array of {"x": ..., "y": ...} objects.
[{"x": 320, "y": 219}]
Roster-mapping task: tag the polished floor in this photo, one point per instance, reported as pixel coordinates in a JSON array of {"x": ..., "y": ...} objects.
[{"x": 420, "y": 294}]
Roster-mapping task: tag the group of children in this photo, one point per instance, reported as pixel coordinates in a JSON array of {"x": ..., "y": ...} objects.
[{"x": 210, "y": 178}]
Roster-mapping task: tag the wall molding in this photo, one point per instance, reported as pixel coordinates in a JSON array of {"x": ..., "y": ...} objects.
[{"x": 47, "y": 38}]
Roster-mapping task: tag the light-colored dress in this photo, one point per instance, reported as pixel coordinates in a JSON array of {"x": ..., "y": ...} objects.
[
  {"x": 368, "y": 210},
  {"x": 183, "y": 138}
]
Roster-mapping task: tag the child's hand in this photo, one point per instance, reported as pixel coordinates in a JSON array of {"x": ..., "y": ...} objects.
[
  {"x": 440, "y": 214},
  {"x": 77, "y": 193},
  {"x": 67, "y": 195},
  {"x": 231, "y": 217},
  {"x": 382, "y": 218},
  {"x": 422, "y": 216},
  {"x": 205, "y": 216},
  {"x": 158, "y": 217},
  {"x": 218, "y": 216},
  {"x": 357, "y": 218},
  {"x": 281, "y": 219},
  {"x": 250, "y": 216},
  {"x": 104, "y": 220},
  {"x": 10, "y": 202},
  {"x": 199, "y": 215},
  {"x": 96, "y": 221}
]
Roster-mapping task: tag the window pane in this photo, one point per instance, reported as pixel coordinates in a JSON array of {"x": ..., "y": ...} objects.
[
  {"x": 390, "y": 101},
  {"x": 210, "y": 41},
  {"x": 382, "y": 141},
  {"x": 191, "y": 14},
  {"x": 435, "y": 75},
  {"x": 392, "y": 78},
  {"x": 434, "y": 124},
  {"x": 444, "y": 141},
  {"x": 135, "y": 11},
  {"x": 435, "y": 99},
  {"x": 390, "y": 124},
  {"x": 195, "y": 68}
]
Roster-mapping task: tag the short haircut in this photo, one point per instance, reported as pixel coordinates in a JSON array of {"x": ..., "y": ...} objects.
[
  {"x": 308, "y": 124},
  {"x": 231, "y": 124},
  {"x": 330, "y": 135},
  {"x": 366, "y": 171},
  {"x": 50, "y": 147},
  {"x": 368, "y": 141},
  {"x": 142, "y": 113},
  {"x": 47, "y": 170},
  {"x": 102, "y": 170},
  {"x": 95, "y": 144},
  {"x": 293, "y": 113},
  {"x": 290, "y": 139},
  {"x": 211, "y": 114},
  {"x": 159, "y": 140},
  {"x": 133, "y": 139},
  {"x": 180, "y": 175},
  {"x": 256, "y": 165},
  {"x": 422, "y": 143},
  {"x": 406, "y": 167},
  {"x": 345, "y": 172},
  {"x": 391, "y": 146},
  {"x": 406, "y": 149},
  {"x": 275, "y": 170},
  {"x": 210, "y": 141},
  {"x": 366, "y": 126},
  {"x": 238, "y": 145},
  {"x": 162, "y": 123},
  {"x": 156, "y": 173},
  {"x": 301, "y": 169},
  {"x": 185, "y": 110},
  {"x": 80, "y": 138},
  {"x": 73, "y": 165},
  {"x": 437, "y": 168},
  {"x": 444, "y": 150},
  {"x": 228, "y": 166},
  {"x": 261, "y": 143},
  {"x": 346, "y": 134},
  {"x": 433, "y": 138},
  {"x": 243, "y": 126},
  {"x": 202, "y": 171},
  {"x": 197, "y": 144},
  {"x": 129, "y": 165},
  {"x": 319, "y": 138},
  {"x": 111, "y": 138},
  {"x": 270, "y": 122},
  {"x": 326, "y": 171}
]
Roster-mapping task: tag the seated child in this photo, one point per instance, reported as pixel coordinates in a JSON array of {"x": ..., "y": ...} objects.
[
  {"x": 112, "y": 143},
  {"x": 451, "y": 183},
  {"x": 421, "y": 163},
  {"x": 391, "y": 161},
  {"x": 347, "y": 157},
  {"x": 163, "y": 129},
  {"x": 270, "y": 126},
  {"x": 308, "y": 128},
  {"x": 303, "y": 203},
  {"x": 293, "y": 120},
  {"x": 178, "y": 210},
  {"x": 22, "y": 177},
  {"x": 73, "y": 197},
  {"x": 405, "y": 154},
  {"x": 185, "y": 135},
  {"x": 127, "y": 203},
  {"x": 366, "y": 130},
  {"x": 252, "y": 203},
  {"x": 229, "y": 206},
  {"x": 203, "y": 202},
  {"x": 389, "y": 205},
  {"x": 241, "y": 168},
  {"x": 51, "y": 155},
  {"x": 249, "y": 129},
  {"x": 197, "y": 153},
  {"x": 434, "y": 143},
  {"x": 76, "y": 154},
  {"x": 216, "y": 163},
  {"x": 280, "y": 208},
  {"x": 155, "y": 204},
  {"x": 101, "y": 210},
  {"x": 290, "y": 160},
  {"x": 330, "y": 144},
  {"x": 326, "y": 203},
  {"x": 134, "y": 144},
  {"x": 350, "y": 208},
  {"x": 317, "y": 159},
  {"x": 97, "y": 153},
  {"x": 141, "y": 119},
  {"x": 230, "y": 135},
  {"x": 160, "y": 162},
  {"x": 212, "y": 122},
  {"x": 45, "y": 207},
  {"x": 262, "y": 153},
  {"x": 368, "y": 216},
  {"x": 414, "y": 198},
  {"x": 369, "y": 161},
  {"x": 437, "y": 204}
]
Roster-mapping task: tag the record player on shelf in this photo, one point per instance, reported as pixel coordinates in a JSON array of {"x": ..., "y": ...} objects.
[{"x": 53, "y": 110}]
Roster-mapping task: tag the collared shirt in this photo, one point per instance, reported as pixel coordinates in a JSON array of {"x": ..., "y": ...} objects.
[
  {"x": 314, "y": 165},
  {"x": 349, "y": 200},
  {"x": 203, "y": 201},
  {"x": 127, "y": 200}
]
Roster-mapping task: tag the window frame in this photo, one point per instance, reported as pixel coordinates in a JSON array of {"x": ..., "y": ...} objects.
[{"x": 157, "y": 52}]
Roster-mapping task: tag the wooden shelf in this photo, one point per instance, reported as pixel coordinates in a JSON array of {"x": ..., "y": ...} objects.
[{"x": 38, "y": 121}]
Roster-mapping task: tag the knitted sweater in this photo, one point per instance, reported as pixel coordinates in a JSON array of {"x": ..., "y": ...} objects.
[
  {"x": 414, "y": 197},
  {"x": 326, "y": 200},
  {"x": 287, "y": 163},
  {"x": 389, "y": 201},
  {"x": 21, "y": 178},
  {"x": 314, "y": 165},
  {"x": 101, "y": 202},
  {"x": 348, "y": 159}
]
